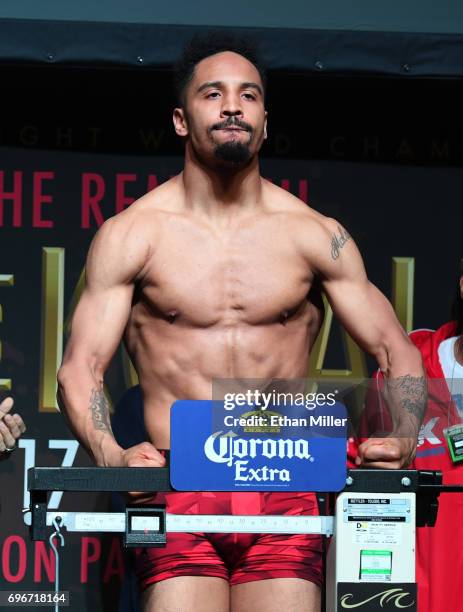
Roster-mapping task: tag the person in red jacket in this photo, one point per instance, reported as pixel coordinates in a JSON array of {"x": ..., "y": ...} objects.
[{"x": 439, "y": 551}]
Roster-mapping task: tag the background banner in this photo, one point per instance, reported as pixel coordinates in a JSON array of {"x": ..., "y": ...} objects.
[{"x": 406, "y": 223}]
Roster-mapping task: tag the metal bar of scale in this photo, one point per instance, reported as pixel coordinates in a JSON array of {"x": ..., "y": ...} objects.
[
  {"x": 373, "y": 543},
  {"x": 43, "y": 480}
]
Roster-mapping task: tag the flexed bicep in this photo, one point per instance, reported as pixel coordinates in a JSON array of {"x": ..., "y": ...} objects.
[
  {"x": 98, "y": 324},
  {"x": 115, "y": 259},
  {"x": 360, "y": 307},
  {"x": 370, "y": 319}
]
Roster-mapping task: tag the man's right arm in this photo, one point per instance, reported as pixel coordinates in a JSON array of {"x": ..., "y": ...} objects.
[{"x": 115, "y": 259}]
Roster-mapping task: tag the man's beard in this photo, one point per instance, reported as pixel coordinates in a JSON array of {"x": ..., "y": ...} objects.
[{"x": 234, "y": 153}]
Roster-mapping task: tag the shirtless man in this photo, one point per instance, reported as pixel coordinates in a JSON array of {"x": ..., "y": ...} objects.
[{"x": 208, "y": 276}]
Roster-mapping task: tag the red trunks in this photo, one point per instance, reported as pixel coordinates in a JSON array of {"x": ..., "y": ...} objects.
[{"x": 235, "y": 557}]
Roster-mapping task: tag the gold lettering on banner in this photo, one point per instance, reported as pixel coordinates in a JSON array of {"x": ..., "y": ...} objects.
[
  {"x": 395, "y": 595},
  {"x": 94, "y": 134},
  {"x": 52, "y": 325},
  {"x": 6, "y": 280},
  {"x": 440, "y": 150},
  {"x": 404, "y": 150},
  {"x": 403, "y": 278},
  {"x": 151, "y": 139},
  {"x": 74, "y": 301},
  {"x": 356, "y": 363}
]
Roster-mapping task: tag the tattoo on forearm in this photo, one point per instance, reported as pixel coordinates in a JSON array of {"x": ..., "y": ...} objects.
[
  {"x": 409, "y": 393},
  {"x": 337, "y": 242},
  {"x": 99, "y": 407}
]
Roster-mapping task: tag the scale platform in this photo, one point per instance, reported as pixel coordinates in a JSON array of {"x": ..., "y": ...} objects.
[{"x": 372, "y": 532}]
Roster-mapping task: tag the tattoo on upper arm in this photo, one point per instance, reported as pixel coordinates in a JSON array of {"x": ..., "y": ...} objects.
[
  {"x": 410, "y": 393},
  {"x": 337, "y": 242},
  {"x": 99, "y": 407}
]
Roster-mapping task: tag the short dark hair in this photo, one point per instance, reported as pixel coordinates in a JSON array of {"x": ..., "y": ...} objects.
[
  {"x": 457, "y": 308},
  {"x": 205, "y": 45}
]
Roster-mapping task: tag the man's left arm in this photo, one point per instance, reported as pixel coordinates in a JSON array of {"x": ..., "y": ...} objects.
[{"x": 370, "y": 319}]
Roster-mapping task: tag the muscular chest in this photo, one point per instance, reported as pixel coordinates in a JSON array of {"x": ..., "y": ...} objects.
[{"x": 251, "y": 278}]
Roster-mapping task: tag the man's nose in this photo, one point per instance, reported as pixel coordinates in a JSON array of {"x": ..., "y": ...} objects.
[{"x": 231, "y": 107}]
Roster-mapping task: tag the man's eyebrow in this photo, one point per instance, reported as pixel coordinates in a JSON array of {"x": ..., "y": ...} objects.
[
  {"x": 251, "y": 85},
  {"x": 214, "y": 84},
  {"x": 219, "y": 84}
]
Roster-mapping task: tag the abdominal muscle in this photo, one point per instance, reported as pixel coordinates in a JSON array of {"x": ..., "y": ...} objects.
[{"x": 176, "y": 362}]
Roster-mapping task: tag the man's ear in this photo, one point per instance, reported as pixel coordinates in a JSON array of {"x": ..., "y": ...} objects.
[
  {"x": 180, "y": 122},
  {"x": 461, "y": 285}
]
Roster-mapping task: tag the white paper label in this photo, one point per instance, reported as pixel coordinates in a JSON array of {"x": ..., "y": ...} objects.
[{"x": 368, "y": 532}]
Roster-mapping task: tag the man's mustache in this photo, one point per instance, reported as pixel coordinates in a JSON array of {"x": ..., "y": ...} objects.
[{"x": 232, "y": 122}]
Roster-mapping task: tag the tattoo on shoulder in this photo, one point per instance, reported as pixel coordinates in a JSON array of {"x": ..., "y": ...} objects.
[
  {"x": 411, "y": 393},
  {"x": 338, "y": 241},
  {"x": 99, "y": 407}
]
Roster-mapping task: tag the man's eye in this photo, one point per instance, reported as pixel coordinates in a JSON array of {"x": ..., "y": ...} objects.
[
  {"x": 249, "y": 96},
  {"x": 213, "y": 94}
]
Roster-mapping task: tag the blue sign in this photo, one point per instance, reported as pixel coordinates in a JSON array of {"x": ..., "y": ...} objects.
[{"x": 282, "y": 449}]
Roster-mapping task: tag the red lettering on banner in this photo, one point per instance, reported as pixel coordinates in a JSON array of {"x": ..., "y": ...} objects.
[
  {"x": 152, "y": 182},
  {"x": 44, "y": 558},
  {"x": 93, "y": 189},
  {"x": 22, "y": 558},
  {"x": 304, "y": 190},
  {"x": 15, "y": 196},
  {"x": 87, "y": 557},
  {"x": 123, "y": 201},
  {"x": 115, "y": 563},
  {"x": 39, "y": 198}
]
